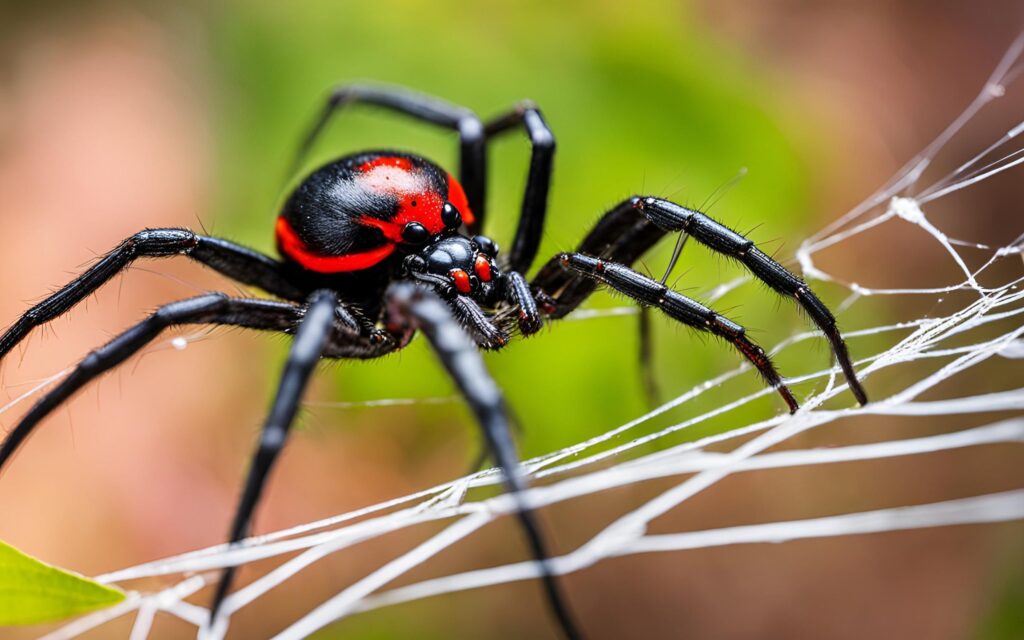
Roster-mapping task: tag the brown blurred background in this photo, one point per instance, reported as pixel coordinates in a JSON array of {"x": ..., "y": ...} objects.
[{"x": 117, "y": 116}]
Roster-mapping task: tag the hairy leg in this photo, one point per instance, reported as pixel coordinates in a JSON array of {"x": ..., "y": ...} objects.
[
  {"x": 236, "y": 262},
  {"x": 215, "y": 309},
  {"x": 633, "y": 226},
  {"x": 308, "y": 346},
  {"x": 677, "y": 306},
  {"x": 424, "y": 310}
]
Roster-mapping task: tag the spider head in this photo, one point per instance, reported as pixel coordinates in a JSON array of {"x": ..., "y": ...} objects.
[{"x": 456, "y": 265}]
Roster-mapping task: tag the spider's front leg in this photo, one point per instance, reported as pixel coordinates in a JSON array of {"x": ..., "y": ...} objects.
[
  {"x": 483, "y": 329},
  {"x": 429, "y": 109},
  {"x": 652, "y": 293},
  {"x": 519, "y": 295},
  {"x": 634, "y": 225},
  {"x": 418, "y": 307}
]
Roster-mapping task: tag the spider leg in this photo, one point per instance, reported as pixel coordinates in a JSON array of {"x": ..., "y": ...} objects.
[
  {"x": 538, "y": 180},
  {"x": 309, "y": 345},
  {"x": 236, "y": 262},
  {"x": 483, "y": 455},
  {"x": 677, "y": 306},
  {"x": 409, "y": 303},
  {"x": 657, "y": 217},
  {"x": 620, "y": 235},
  {"x": 519, "y": 295},
  {"x": 645, "y": 356},
  {"x": 472, "y": 160},
  {"x": 487, "y": 336},
  {"x": 477, "y": 324},
  {"x": 215, "y": 308},
  {"x": 646, "y": 338}
]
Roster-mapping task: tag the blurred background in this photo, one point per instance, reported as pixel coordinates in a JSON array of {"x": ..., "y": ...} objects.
[{"x": 116, "y": 116}]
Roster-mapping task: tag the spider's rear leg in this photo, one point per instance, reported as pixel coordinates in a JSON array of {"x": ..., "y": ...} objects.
[
  {"x": 677, "y": 306},
  {"x": 472, "y": 151},
  {"x": 538, "y": 180},
  {"x": 236, "y": 262},
  {"x": 424, "y": 310},
  {"x": 216, "y": 309}
]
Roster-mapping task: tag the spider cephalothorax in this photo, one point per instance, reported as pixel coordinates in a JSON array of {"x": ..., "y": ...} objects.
[
  {"x": 378, "y": 245},
  {"x": 457, "y": 265}
]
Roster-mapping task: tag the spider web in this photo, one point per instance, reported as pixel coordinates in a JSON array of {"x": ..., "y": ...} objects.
[{"x": 972, "y": 322}]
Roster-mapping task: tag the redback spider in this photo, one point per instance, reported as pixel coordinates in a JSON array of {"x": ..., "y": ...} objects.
[{"x": 380, "y": 244}]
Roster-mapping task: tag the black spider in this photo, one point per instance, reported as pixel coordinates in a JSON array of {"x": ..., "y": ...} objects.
[{"x": 379, "y": 244}]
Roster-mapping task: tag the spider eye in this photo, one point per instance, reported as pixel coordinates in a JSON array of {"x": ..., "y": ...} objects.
[
  {"x": 415, "y": 233},
  {"x": 486, "y": 245},
  {"x": 450, "y": 216}
]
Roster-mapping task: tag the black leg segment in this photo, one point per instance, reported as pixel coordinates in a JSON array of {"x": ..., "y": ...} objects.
[
  {"x": 521, "y": 298},
  {"x": 311, "y": 339},
  {"x": 234, "y": 261},
  {"x": 538, "y": 180},
  {"x": 646, "y": 334},
  {"x": 214, "y": 308},
  {"x": 472, "y": 157},
  {"x": 677, "y": 306},
  {"x": 425, "y": 311},
  {"x": 718, "y": 237},
  {"x": 477, "y": 324},
  {"x": 617, "y": 238},
  {"x": 648, "y": 379},
  {"x": 620, "y": 235}
]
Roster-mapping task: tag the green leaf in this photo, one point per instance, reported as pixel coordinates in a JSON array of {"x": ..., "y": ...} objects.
[{"x": 32, "y": 591}]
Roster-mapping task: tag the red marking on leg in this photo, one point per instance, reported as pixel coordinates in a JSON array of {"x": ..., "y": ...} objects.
[
  {"x": 787, "y": 395},
  {"x": 764, "y": 365}
]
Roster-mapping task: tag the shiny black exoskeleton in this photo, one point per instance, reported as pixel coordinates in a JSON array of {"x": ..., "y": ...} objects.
[
  {"x": 456, "y": 265},
  {"x": 380, "y": 244}
]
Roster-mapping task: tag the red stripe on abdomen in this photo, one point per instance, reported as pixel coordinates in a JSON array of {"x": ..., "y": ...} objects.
[
  {"x": 457, "y": 196},
  {"x": 292, "y": 246}
]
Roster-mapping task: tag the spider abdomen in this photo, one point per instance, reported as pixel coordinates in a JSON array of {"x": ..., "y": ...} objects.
[{"x": 352, "y": 214}]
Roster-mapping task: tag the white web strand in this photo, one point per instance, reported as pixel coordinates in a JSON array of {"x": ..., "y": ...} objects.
[{"x": 989, "y": 325}]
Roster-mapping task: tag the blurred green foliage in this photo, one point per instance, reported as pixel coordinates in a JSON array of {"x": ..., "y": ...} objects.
[
  {"x": 1004, "y": 619},
  {"x": 640, "y": 100}
]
